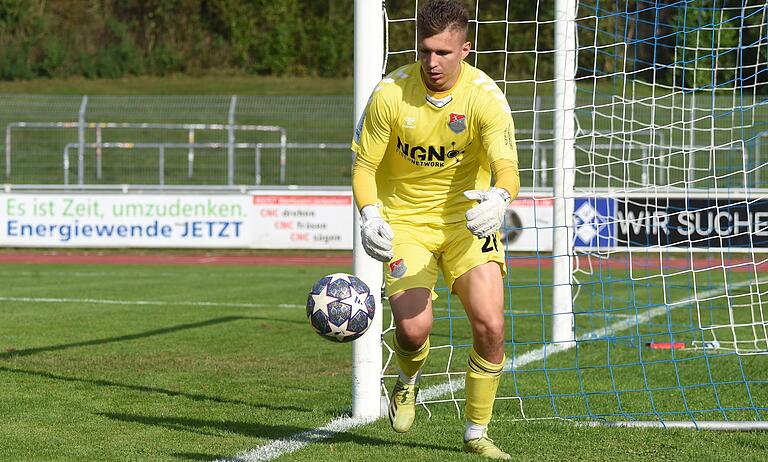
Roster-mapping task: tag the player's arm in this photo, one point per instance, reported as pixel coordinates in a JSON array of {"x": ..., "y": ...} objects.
[
  {"x": 497, "y": 131},
  {"x": 498, "y": 137},
  {"x": 370, "y": 143},
  {"x": 364, "y": 181}
]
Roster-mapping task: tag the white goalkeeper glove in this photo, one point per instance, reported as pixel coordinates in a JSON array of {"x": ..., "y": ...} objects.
[
  {"x": 376, "y": 234},
  {"x": 485, "y": 218}
]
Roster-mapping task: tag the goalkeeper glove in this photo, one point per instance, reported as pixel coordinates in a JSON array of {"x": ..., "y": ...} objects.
[
  {"x": 376, "y": 234},
  {"x": 485, "y": 218}
]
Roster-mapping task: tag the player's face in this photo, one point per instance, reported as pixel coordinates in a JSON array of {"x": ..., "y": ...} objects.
[{"x": 440, "y": 56}]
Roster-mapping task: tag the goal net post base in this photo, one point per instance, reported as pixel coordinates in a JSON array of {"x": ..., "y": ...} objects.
[{"x": 712, "y": 425}]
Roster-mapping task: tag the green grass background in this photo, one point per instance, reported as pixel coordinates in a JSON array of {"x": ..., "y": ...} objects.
[{"x": 219, "y": 365}]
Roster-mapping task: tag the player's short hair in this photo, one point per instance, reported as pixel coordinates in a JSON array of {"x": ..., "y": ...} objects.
[{"x": 439, "y": 15}]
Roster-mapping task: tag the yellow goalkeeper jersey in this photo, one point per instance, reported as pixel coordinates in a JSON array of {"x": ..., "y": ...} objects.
[{"x": 425, "y": 148}]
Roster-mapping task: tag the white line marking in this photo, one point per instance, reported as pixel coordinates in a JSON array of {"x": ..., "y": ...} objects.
[
  {"x": 96, "y": 274},
  {"x": 287, "y": 445},
  {"x": 284, "y": 446},
  {"x": 96, "y": 301},
  {"x": 176, "y": 303}
]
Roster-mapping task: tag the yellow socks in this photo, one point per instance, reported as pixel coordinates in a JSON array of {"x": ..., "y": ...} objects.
[
  {"x": 410, "y": 362},
  {"x": 402, "y": 403},
  {"x": 481, "y": 384}
]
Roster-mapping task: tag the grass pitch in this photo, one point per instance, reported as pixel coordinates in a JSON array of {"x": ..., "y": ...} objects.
[{"x": 205, "y": 362}]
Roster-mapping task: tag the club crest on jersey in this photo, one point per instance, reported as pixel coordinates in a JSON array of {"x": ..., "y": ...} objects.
[{"x": 457, "y": 123}]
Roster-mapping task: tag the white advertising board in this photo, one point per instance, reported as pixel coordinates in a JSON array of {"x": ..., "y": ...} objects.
[
  {"x": 258, "y": 220},
  {"x": 302, "y": 221},
  {"x": 249, "y": 220},
  {"x": 124, "y": 220}
]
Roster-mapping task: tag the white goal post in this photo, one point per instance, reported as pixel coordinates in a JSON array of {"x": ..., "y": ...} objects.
[
  {"x": 367, "y": 351},
  {"x": 564, "y": 152}
]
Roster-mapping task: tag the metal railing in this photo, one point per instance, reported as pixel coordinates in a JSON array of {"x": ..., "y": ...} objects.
[
  {"x": 654, "y": 160},
  {"x": 284, "y": 157},
  {"x": 99, "y": 144},
  {"x": 161, "y": 147}
]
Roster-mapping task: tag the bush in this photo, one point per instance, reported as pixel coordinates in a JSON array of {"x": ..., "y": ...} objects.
[{"x": 114, "y": 38}]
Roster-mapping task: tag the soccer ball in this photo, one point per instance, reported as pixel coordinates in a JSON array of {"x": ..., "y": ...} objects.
[{"x": 340, "y": 307}]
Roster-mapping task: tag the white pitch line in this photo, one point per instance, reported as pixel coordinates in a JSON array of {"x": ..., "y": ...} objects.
[
  {"x": 97, "y": 274},
  {"x": 284, "y": 446},
  {"x": 96, "y": 301},
  {"x": 287, "y": 445}
]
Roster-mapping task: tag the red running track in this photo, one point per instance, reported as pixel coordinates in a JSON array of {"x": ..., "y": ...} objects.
[
  {"x": 170, "y": 259},
  {"x": 637, "y": 262}
]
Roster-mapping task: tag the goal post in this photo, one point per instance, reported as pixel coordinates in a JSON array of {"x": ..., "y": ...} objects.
[
  {"x": 564, "y": 135},
  {"x": 367, "y": 351}
]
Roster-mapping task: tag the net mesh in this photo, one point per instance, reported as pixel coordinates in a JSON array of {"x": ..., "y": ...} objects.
[{"x": 670, "y": 223}]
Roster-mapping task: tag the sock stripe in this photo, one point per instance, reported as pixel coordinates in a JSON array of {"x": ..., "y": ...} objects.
[{"x": 481, "y": 369}]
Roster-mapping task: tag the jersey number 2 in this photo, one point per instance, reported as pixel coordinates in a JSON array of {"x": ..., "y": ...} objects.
[{"x": 490, "y": 244}]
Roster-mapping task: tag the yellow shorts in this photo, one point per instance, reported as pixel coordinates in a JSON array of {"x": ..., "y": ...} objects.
[{"x": 425, "y": 248}]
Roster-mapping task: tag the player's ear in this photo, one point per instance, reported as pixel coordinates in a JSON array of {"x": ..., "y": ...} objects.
[{"x": 465, "y": 49}]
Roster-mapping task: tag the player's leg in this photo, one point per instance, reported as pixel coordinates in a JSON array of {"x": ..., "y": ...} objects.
[
  {"x": 482, "y": 293},
  {"x": 412, "y": 310},
  {"x": 410, "y": 297},
  {"x": 474, "y": 269}
]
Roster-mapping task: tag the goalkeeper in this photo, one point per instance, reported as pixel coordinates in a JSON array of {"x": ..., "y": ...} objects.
[{"x": 431, "y": 137}]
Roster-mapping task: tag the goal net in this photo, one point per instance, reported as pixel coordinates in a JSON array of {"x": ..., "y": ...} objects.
[{"x": 637, "y": 288}]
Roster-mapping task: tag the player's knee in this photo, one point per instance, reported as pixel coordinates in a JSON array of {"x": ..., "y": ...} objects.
[
  {"x": 491, "y": 329},
  {"x": 412, "y": 335}
]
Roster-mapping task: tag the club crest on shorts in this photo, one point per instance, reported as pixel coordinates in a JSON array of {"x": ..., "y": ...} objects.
[{"x": 457, "y": 123}]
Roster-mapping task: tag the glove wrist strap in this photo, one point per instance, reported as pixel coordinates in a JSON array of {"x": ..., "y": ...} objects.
[
  {"x": 504, "y": 195},
  {"x": 369, "y": 212}
]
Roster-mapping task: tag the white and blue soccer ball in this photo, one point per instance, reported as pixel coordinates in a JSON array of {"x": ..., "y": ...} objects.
[{"x": 340, "y": 307}]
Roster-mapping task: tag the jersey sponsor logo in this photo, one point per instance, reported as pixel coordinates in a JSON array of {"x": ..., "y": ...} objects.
[
  {"x": 457, "y": 123},
  {"x": 429, "y": 156}
]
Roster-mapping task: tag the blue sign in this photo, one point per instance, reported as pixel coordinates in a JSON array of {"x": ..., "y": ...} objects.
[{"x": 594, "y": 222}]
